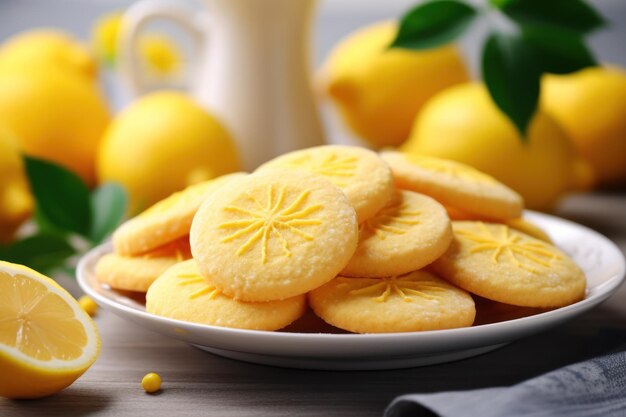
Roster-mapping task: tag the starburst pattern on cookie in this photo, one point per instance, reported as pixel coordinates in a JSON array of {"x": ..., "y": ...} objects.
[
  {"x": 335, "y": 168},
  {"x": 206, "y": 289},
  {"x": 394, "y": 219},
  {"x": 275, "y": 219},
  {"x": 407, "y": 287},
  {"x": 532, "y": 255}
]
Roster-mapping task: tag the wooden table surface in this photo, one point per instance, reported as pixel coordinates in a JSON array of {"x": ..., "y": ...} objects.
[{"x": 200, "y": 384}]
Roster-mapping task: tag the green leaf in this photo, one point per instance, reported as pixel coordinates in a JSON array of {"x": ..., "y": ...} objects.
[
  {"x": 499, "y": 3},
  {"x": 62, "y": 197},
  {"x": 108, "y": 206},
  {"x": 565, "y": 14},
  {"x": 432, "y": 24},
  {"x": 510, "y": 73},
  {"x": 40, "y": 252},
  {"x": 44, "y": 226},
  {"x": 558, "y": 51}
]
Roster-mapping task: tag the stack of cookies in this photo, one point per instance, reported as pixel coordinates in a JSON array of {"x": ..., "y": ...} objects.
[
  {"x": 148, "y": 244},
  {"x": 365, "y": 239}
]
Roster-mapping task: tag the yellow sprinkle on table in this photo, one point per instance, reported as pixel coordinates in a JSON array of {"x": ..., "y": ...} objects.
[
  {"x": 88, "y": 305},
  {"x": 151, "y": 382}
]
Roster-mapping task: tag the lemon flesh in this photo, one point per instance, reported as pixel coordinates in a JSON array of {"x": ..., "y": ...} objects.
[{"x": 46, "y": 340}]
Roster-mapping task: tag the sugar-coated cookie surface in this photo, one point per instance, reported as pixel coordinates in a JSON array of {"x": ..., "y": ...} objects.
[
  {"x": 181, "y": 293},
  {"x": 528, "y": 227},
  {"x": 508, "y": 266},
  {"x": 165, "y": 221},
  {"x": 409, "y": 233},
  {"x": 454, "y": 184},
  {"x": 518, "y": 223},
  {"x": 131, "y": 273},
  {"x": 413, "y": 302},
  {"x": 359, "y": 172},
  {"x": 137, "y": 273},
  {"x": 376, "y": 243},
  {"x": 274, "y": 234}
]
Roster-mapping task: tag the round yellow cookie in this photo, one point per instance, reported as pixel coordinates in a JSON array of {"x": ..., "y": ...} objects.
[
  {"x": 273, "y": 235},
  {"x": 181, "y": 293},
  {"x": 409, "y": 233},
  {"x": 508, "y": 266},
  {"x": 137, "y": 273},
  {"x": 359, "y": 172},
  {"x": 458, "y": 214},
  {"x": 528, "y": 227},
  {"x": 167, "y": 220},
  {"x": 413, "y": 302},
  {"x": 454, "y": 184},
  {"x": 518, "y": 223}
]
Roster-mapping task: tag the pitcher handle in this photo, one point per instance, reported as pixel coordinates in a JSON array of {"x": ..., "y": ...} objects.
[{"x": 134, "y": 21}]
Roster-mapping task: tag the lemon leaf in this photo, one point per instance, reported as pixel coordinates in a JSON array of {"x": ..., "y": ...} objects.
[
  {"x": 42, "y": 252},
  {"x": 61, "y": 196},
  {"x": 108, "y": 206},
  {"x": 499, "y": 3},
  {"x": 432, "y": 24},
  {"x": 558, "y": 51},
  {"x": 566, "y": 14},
  {"x": 512, "y": 77},
  {"x": 44, "y": 226}
]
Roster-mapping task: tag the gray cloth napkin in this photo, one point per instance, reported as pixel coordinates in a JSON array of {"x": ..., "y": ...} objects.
[{"x": 594, "y": 388}]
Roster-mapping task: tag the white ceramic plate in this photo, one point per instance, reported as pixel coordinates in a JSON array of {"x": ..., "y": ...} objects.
[{"x": 601, "y": 260}]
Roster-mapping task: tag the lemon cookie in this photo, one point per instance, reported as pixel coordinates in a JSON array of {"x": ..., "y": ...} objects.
[
  {"x": 167, "y": 220},
  {"x": 413, "y": 302},
  {"x": 518, "y": 223},
  {"x": 528, "y": 227},
  {"x": 508, "y": 266},
  {"x": 181, "y": 293},
  {"x": 454, "y": 184},
  {"x": 410, "y": 232},
  {"x": 458, "y": 214},
  {"x": 273, "y": 235},
  {"x": 137, "y": 273},
  {"x": 359, "y": 172}
]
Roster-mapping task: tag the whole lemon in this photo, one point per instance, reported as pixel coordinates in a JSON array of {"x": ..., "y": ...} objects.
[
  {"x": 377, "y": 90},
  {"x": 162, "y": 143},
  {"x": 48, "y": 47},
  {"x": 16, "y": 203},
  {"x": 463, "y": 124},
  {"x": 55, "y": 115},
  {"x": 591, "y": 107}
]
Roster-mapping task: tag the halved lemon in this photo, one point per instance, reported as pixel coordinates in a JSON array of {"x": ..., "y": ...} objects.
[{"x": 46, "y": 340}]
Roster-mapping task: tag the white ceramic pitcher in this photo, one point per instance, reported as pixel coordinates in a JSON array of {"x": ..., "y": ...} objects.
[{"x": 251, "y": 68}]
